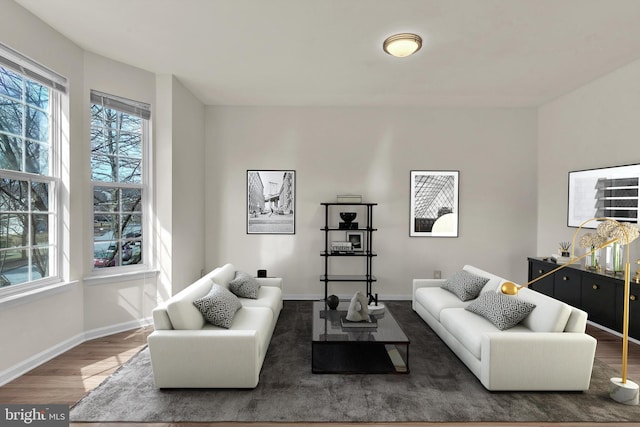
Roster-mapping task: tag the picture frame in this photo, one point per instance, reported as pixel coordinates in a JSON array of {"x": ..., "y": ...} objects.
[
  {"x": 608, "y": 192},
  {"x": 357, "y": 240},
  {"x": 434, "y": 210},
  {"x": 271, "y": 197}
]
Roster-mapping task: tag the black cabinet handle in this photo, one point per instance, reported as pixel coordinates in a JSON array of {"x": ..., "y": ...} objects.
[
  {"x": 595, "y": 287},
  {"x": 565, "y": 278}
]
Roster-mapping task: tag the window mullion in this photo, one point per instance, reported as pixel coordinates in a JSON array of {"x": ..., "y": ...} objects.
[{"x": 23, "y": 128}]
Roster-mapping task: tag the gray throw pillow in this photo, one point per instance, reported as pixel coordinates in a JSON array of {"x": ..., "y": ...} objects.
[
  {"x": 502, "y": 310},
  {"x": 465, "y": 285},
  {"x": 219, "y": 306},
  {"x": 244, "y": 285}
]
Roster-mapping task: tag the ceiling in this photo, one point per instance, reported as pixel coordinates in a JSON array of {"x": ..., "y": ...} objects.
[{"x": 498, "y": 53}]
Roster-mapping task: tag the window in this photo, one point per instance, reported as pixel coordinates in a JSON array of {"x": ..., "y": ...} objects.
[
  {"x": 29, "y": 138},
  {"x": 119, "y": 135}
]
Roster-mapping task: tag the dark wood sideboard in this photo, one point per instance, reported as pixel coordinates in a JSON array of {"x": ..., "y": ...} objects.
[{"x": 600, "y": 295}]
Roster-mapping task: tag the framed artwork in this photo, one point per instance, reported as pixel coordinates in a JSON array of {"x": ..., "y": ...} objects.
[
  {"x": 271, "y": 201},
  {"x": 434, "y": 203},
  {"x": 357, "y": 240},
  {"x": 610, "y": 192}
]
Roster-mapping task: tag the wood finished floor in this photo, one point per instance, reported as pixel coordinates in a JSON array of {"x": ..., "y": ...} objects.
[{"x": 68, "y": 377}]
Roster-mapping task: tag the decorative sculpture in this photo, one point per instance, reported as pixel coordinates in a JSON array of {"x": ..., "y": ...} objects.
[
  {"x": 332, "y": 302},
  {"x": 358, "y": 309}
]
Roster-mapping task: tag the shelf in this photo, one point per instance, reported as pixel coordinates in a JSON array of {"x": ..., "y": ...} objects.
[
  {"x": 364, "y": 233},
  {"x": 347, "y": 278},
  {"x": 361, "y": 253},
  {"x": 347, "y": 204},
  {"x": 347, "y": 229}
]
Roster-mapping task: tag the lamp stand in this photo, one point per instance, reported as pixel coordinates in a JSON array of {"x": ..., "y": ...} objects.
[
  {"x": 626, "y": 393},
  {"x": 620, "y": 389}
]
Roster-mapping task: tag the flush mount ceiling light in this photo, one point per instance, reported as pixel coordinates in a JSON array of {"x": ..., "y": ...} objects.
[{"x": 401, "y": 45}]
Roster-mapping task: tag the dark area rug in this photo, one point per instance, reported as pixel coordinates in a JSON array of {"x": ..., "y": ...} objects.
[{"x": 439, "y": 388}]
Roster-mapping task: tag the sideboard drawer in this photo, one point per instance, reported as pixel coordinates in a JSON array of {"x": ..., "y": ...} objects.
[{"x": 599, "y": 300}]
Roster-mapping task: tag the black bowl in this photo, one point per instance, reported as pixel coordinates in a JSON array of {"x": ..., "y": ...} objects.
[{"x": 348, "y": 216}]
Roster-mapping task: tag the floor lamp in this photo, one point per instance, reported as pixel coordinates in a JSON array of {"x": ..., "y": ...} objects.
[{"x": 620, "y": 389}]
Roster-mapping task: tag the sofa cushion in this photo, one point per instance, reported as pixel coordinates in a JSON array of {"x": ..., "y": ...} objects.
[
  {"x": 259, "y": 319},
  {"x": 223, "y": 275},
  {"x": 502, "y": 310},
  {"x": 436, "y": 299},
  {"x": 268, "y": 296},
  {"x": 468, "y": 328},
  {"x": 244, "y": 285},
  {"x": 465, "y": 285},
  {"x": 219, "y": 306},
  {"x": 182, "y": 313},
  {"x": 550, "y": 315}
]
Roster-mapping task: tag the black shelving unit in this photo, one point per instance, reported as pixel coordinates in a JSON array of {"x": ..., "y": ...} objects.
[{"x": 366, "y": 254}]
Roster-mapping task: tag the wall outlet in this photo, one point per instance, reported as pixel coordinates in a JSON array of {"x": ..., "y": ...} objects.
[{"x": 437, "y": 274}]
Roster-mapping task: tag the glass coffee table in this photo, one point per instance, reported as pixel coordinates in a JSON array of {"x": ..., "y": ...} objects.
[{"x": 347, "y": 349}]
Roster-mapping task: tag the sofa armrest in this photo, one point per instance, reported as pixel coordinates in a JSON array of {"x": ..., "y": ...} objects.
[
  {"x": 270, "y": 281},
  {"x": 427, "y": 283},
  {"x": 537, "y": 360},
  {"x": 205, "y": 358}
]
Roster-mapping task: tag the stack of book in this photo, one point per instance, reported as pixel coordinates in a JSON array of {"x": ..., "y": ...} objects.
[{"x": 559, "y": 259}]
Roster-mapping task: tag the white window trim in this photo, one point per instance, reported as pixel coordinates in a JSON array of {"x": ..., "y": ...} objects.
[
  {"x": 144, "y": 269},
  {"x": 57, "y": 84}
]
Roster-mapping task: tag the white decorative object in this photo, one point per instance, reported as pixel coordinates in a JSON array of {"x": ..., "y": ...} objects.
[
  {"x": 376, "y": 308},
  {"x": 338, "y": 247},
  {"x": 349, "y": 198},
  {"x": 358, "y": 309},
  {"x": 627, "y": 392}
]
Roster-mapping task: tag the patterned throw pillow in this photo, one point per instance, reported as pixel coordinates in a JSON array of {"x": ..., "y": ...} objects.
[
  {"x": 218, "y": 306},
  {"x": 244, "y": 285},
  {"x": 465, "y": 285},
  {"x": 502, "y": 310}
]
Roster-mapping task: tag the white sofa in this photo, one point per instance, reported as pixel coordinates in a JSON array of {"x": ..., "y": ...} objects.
[
  {"x": 188, "y": 352},
  {"x": 548, "y": 350}
]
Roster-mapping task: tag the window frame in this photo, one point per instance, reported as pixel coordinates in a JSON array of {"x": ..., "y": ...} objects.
[
  {"x": 56, "y": 84},
  {"x": 145, "y": 263}
]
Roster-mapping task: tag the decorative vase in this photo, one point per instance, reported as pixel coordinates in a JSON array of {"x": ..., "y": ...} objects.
[
  {"x": 618, "y": 263},
  {"x": 615, "y": 258},
  {"x": 592, "y": 261},
  {"x": 332, "y": 302}
]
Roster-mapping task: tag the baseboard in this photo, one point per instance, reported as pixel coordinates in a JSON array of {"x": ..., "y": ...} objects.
[
  {"x": 612, "y": 332},
  {"x": 36, "y": 360},
  {"x": 44, "y": 356},
  {"x": 115, "y": 329}
]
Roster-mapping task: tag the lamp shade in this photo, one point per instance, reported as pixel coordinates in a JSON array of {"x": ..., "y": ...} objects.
[{"x": 401, "y": 45}]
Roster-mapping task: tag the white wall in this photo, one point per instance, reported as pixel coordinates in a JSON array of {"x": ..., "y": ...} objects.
[
  {"x": 40, "y": 327},
  {"x": 111, "y": 302},
  {"x": 34, "y": 330},
  {"x": 595, "y": 126},
  {"x": 371, "y": 151},
  {"x": 187, "y": 186}
]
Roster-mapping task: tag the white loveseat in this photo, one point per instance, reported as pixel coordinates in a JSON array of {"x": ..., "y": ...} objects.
[
  {"x": 188, "y": 352},
  {"x": 548, "y": 350}
]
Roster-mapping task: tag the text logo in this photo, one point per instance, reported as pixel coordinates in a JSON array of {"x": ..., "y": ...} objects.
[{"x": 34, "y": 415}]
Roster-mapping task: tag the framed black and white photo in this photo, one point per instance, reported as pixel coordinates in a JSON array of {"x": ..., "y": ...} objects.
[
  {"x": 610, "y": 192},
  {"x": 271, "y": 201},
  {"x": 434, "y": 204},
  {"x": 357, "y": 240}
]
